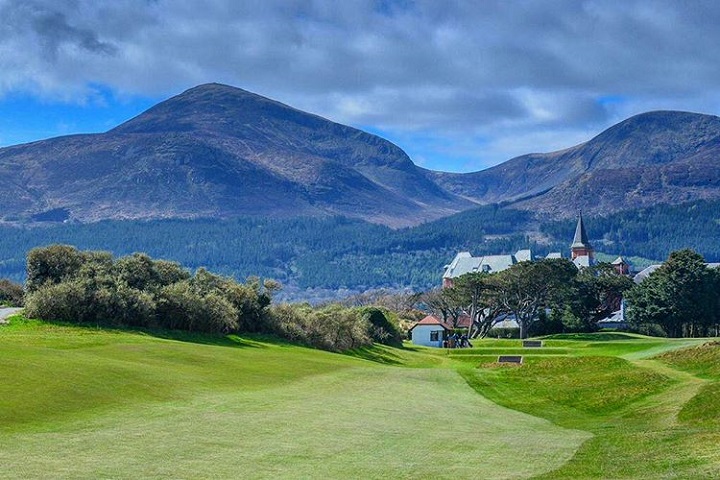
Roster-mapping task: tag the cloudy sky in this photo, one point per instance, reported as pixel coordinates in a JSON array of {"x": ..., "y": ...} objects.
[{"x": 460, "y": 85}]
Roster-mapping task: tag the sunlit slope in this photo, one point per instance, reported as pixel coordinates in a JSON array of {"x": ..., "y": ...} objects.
[{"x": 84, "y": 403}]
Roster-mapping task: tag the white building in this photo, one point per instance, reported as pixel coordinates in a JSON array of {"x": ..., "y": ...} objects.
[
  {"x": 429, "y": 332},
  {"x": 581, "y": 254}
]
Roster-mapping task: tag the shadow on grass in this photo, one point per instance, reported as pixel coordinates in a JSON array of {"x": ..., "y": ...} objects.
[
  {"x": 218, "y": 340},
  {"x": 383, "y": 355}
]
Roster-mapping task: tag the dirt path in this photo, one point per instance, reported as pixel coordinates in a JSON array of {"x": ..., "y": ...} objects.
[{"x": 6, "y": 312}]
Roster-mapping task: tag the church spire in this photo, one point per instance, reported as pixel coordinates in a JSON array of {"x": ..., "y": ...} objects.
[{"x": 581, "y": 245}]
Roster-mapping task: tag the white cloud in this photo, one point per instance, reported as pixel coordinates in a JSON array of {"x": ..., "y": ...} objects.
[{"x": 503, "y": 72}]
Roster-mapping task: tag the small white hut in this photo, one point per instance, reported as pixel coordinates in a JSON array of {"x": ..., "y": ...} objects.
[{"x": 429, "y": 332}]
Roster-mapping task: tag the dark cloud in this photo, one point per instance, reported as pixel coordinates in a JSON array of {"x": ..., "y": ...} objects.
[
  {"x": 54, "y": 30},
  {"x": 48, "y": 25},
  {"x": 505, "y": 73}
]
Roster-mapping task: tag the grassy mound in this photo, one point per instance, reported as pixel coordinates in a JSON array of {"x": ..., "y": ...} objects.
[
  {"x": 702, "y": 360},
  {"x": 649, "y": 418}
]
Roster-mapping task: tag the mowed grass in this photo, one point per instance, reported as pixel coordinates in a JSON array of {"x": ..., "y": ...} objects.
[{"x": 88, "y": 403}]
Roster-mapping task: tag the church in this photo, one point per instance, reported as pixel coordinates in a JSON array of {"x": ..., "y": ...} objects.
[{"x": 581, "y": 254}]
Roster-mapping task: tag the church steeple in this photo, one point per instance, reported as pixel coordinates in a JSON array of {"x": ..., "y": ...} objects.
[{"x": 581, "y": 245}]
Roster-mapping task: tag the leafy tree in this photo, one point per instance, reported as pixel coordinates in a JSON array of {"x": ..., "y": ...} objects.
[
  {"x": 680, "y": 296},
  {"x": 479, "y": 293},
  {"x": 444, "y": 303},
  {"x": 52, "y": 264},
  {"x": 383, "y": 327},
  {"x": 594, "y": 293},
  {"x": 528, "y": 287}
]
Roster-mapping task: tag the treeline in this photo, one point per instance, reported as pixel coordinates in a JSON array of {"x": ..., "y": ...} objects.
[
  {"x": 652, "y": 232},
  {"x": 526, "y": 292},
  {"x": 307, "y": 252},
  {"x": 681, "y": 298},
  {"x": 92, "y": 287},
  {"x": 336, "y": 253}
]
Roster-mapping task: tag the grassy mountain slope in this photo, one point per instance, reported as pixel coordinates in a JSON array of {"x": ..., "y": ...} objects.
[
  {"x": 219, "y": 151},
  {"x": 656, "y": 157},
  {"x": 216, "y": 151}
]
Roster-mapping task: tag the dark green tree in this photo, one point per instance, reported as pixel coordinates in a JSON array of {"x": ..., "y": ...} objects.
[
  {"x": 478, "y": 292},
  {"x": 680, "y": 296},
  {"x": 527, "y": 288},
  {"x": 595, "y": 293}
]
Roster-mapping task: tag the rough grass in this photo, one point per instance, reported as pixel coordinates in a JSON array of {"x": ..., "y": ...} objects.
[
  {"x": 702, "y": 360},
  {"x": 87, "y": 403},
  {"x": 649, "y": 419}
]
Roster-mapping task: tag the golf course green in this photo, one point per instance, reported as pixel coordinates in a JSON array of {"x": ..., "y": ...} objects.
[{"x": 80, "y": 402}]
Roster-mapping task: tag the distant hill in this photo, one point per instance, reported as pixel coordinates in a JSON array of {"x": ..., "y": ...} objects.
[
  {"x": 220, "y": 152},
  {"x": 656, "y": 157}
]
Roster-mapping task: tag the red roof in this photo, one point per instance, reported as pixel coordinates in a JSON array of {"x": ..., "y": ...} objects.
[{"x": 430, "y": 320}]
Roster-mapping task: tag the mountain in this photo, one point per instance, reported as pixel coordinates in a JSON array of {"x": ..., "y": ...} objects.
[
  {"x": 219, "y": 151},
  {"x": 651, "y": 158}
]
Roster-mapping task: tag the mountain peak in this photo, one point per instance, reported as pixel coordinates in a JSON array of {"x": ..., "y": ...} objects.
[{"x": 208, "y": 106}]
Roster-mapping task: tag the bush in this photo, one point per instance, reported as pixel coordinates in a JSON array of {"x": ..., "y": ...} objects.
[
  {"x": 333, "y": 328},
  {"x": 91, "y": 287},
  {"x": 384, "y": 326},
  {"x": 11, "y": 293},
  {"x": 62, "y": 302}
]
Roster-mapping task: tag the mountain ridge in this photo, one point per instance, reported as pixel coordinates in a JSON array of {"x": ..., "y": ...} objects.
[
  {"x": 219, "y": 151},
  {"x": 626, "y": 165}
]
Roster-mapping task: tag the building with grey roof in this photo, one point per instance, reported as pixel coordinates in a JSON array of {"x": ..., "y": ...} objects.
[
  {"x": 643, "y": 274},
  {"x": 581, "y": 254}
]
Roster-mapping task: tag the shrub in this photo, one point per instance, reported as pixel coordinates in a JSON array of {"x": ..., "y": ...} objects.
[
  {"x": 11, "y": 293},
  {"x": 384, "y": 326}
]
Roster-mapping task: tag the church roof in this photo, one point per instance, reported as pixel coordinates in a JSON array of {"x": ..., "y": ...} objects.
[
  {"x": 464, "y": 263},
  {"x": 581, "y": 239}
]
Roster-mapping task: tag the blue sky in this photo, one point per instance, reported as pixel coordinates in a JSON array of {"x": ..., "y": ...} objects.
[{"x": 459, "y": 85}]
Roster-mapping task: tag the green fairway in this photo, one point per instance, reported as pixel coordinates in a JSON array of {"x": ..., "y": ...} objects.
[
  {"x": 89, "y": 403},
  {"x": 81, "y": 403}
]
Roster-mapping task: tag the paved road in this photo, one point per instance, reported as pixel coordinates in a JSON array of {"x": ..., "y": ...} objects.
[{"x": 6, "y": 312}]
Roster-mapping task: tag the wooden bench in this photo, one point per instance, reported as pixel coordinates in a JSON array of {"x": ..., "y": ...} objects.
[
  {"x": 510, "y": 359},
  {"x": 532, "y": 343}
]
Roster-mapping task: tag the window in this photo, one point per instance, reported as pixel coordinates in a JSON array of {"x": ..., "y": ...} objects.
[{"x": 434, "y": 336}]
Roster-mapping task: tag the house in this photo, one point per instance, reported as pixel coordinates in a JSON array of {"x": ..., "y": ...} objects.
[
  {"x": 464, "y": 263},
  {"x": 643, "y": 274},
  {"x": 581, "y": 254},
  {"x": 429, "y": 332}
]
